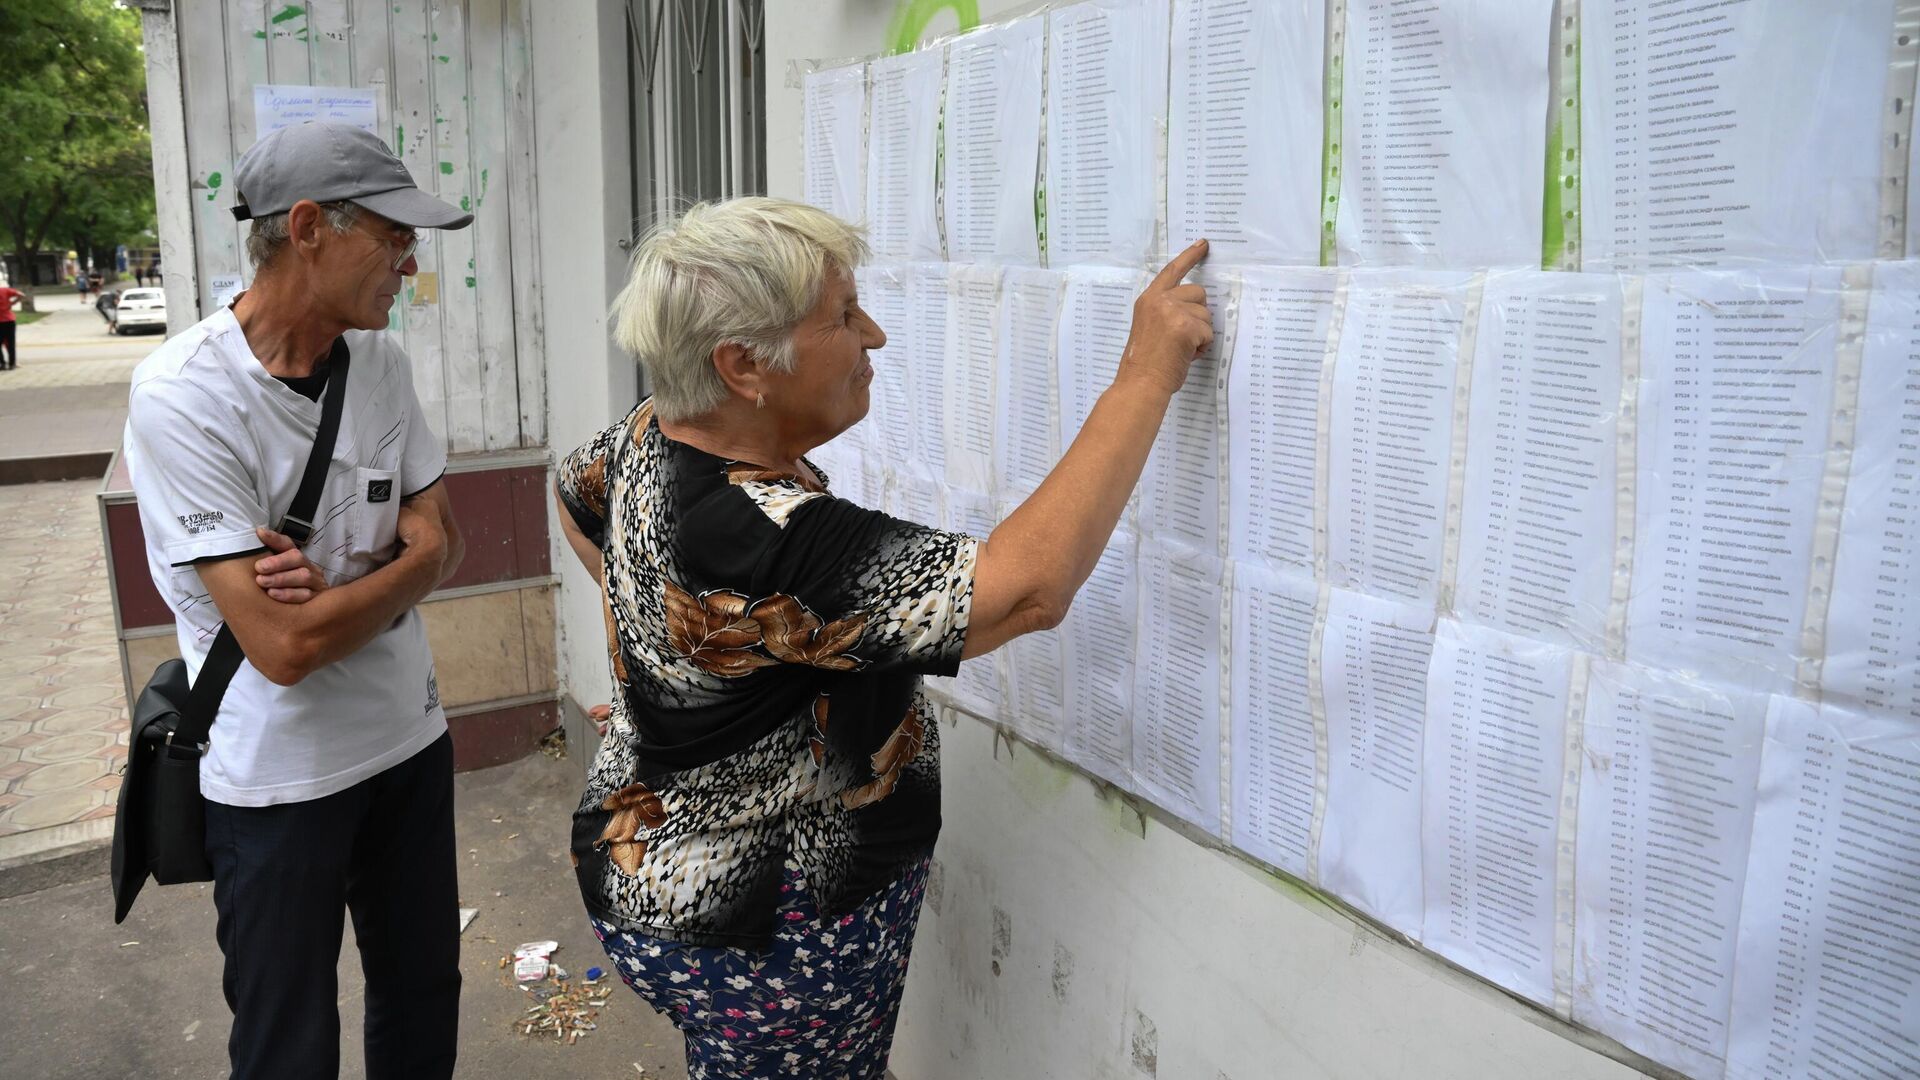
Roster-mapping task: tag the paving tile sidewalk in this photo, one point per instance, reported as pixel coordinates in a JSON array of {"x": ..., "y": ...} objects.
[
  {"x": 63, "y": 720},
  {"x": 89, "y": 999}
]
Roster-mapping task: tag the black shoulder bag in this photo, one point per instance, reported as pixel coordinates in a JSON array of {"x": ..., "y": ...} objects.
[{"x": 160, "y": 824}]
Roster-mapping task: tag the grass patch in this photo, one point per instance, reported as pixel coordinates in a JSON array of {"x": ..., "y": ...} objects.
[{"x": 26, "y": 317}]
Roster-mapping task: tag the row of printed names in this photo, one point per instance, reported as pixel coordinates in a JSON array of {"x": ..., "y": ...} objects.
[
  {"x": 1536, "y": 748},
  {"x": 1577, "y": 830},
  {"x": 1713, "y": 472},
  {"x": 950, "y": 150}
]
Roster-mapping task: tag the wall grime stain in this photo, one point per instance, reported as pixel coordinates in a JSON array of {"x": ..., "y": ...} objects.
[
  {"x": 1038, "y": 777},
  {"x": 1062, "y": 971},
  {"x": 1146, "y": 1045},
  {"x": 1002, "y": 937},
  {"x": 936, "y": 885}
]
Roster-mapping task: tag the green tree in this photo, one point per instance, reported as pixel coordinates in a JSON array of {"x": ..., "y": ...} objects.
[{"x": 77, "y": 166}]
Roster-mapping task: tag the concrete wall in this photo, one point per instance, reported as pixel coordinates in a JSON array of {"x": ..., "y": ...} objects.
[
  {"x": 580, "y": 139},
  {"x": 1067, "y": 935}
]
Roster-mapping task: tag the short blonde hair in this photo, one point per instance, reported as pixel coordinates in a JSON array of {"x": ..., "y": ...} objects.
[{"x": 744, "y": 271}]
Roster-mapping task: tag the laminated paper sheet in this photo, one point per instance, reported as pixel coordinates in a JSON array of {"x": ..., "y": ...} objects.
[
  {"x": 1098, "y": 638},
  {"x": 1731, "y": 133},
  {"x": 923, "y": 339},
  {"x": 1026, "y": 439},
  {"x": 1176, "y": 699},
  {"x": 1275, "y": 755},
  {"x": 1443, "y": 155},
  {"x": 1873, "y": 625},
  {"x": 1495, "y": 750},
  {"x": 1244, "y": 128},
  {"x": 834, "y": 146},
  {"x": 1180, "y": 490},
  {"x": 1094, "y": 320},
  {"x": 894, "y": 420},
  {"x": 1393, "y": 395},
  {"x": 1827, "y": 975},
  {"x": 902, "y": 150},
  {"x": 1273, "y": 413},
  {"x": 1537, "y": 535},
  {"x": 976, "y": 688},
  {"x": 970, "y": 512},
  {"x": 1666, "y": 809},
  {"x": 1735, "y": 391},
  {"x": 1034, "y": 698},
  {"x": 1373, "y": 664},
  {"x": 993, "y": 142},
  {"x": 1106, "y": 104},
  {"x": 973, "y": 300},
  {"x": 863, "y": 484},
  {"x": 915, "y": 498}
]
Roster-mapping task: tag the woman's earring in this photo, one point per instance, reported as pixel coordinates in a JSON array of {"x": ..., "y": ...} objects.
[{"x": 759, "y": 401}]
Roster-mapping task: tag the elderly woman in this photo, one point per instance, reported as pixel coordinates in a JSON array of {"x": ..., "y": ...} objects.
[{"x": 754, "y": 839}]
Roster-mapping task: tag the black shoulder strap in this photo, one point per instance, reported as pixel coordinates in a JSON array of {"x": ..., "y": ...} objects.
[
  {"x": 203, "y": 701},
  {"x": 224, "y": 657},
  {"x": 298, "y": 524}
]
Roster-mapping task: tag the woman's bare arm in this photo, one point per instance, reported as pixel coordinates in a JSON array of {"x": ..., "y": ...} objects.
[{"x": 1037, "y": 559}]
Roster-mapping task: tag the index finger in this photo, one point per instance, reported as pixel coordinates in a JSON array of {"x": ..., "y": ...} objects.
[
  {"x": 1180, "y": 267},
  {"x": 280, "y": 562},
  {"x": 277, "y": 542}
]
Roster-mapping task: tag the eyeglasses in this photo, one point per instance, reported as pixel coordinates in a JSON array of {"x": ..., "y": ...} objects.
[{"x": 406, "y": 247}]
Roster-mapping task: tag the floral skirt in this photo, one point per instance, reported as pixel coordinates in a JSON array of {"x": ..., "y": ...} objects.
[{"x": 820, "y": 1003}]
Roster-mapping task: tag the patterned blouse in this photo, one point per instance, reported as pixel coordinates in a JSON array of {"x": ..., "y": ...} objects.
[{"x": 767, "y": 641}]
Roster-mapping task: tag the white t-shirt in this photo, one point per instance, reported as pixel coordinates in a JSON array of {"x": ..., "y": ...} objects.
[{"x": 216, "y": 447}]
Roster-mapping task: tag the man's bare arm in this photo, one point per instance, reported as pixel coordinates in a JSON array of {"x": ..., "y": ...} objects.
[
  {"x": 287, "y": 642},
  {"x": 291, "y": 578},
  {"x": 456, "y": 543}
]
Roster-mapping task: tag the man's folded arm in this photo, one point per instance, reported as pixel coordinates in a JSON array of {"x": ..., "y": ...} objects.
[{"x": 288, "y": 642}]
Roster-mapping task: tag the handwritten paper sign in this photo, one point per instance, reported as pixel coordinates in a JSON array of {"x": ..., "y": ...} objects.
[{"x": 276, "y": 107}]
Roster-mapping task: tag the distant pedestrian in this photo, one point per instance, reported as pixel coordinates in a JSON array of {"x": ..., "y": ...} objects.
[
  {"x": 139, "y": 276},
  {"x": 10, "y": 298}
]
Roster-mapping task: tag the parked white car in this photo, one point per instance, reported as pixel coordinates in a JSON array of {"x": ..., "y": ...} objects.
[{"x": 139, "y": 309}]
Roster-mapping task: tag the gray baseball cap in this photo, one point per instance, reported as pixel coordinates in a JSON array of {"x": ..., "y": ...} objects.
[{"x": 330, "y": 163}]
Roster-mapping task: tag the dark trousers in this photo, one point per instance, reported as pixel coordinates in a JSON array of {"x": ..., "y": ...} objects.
[
  {"x": 283, "y": 879},
  {"x": 6, "y": 343}
]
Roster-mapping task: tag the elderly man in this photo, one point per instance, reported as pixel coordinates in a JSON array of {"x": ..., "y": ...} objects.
[{"x": 328, "y": 778}]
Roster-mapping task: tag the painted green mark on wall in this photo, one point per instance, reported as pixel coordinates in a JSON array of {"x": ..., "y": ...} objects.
[
  {"x": 444, "y": 59},
  {"x": 912, "y": 17},
  {"x": 213, "y": 186},
  {"x": 483, "y": 188},
  {"x": 1560, "y": 235},
  {"x": 289, "y": 13},
  {"x": 1330, "y": 163},
  {"x": 469, "y": 281},
  {"x": 400, "y": 138},
  {"x": 465, "y": 205},
  {"x": 446, "y": 168}
]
